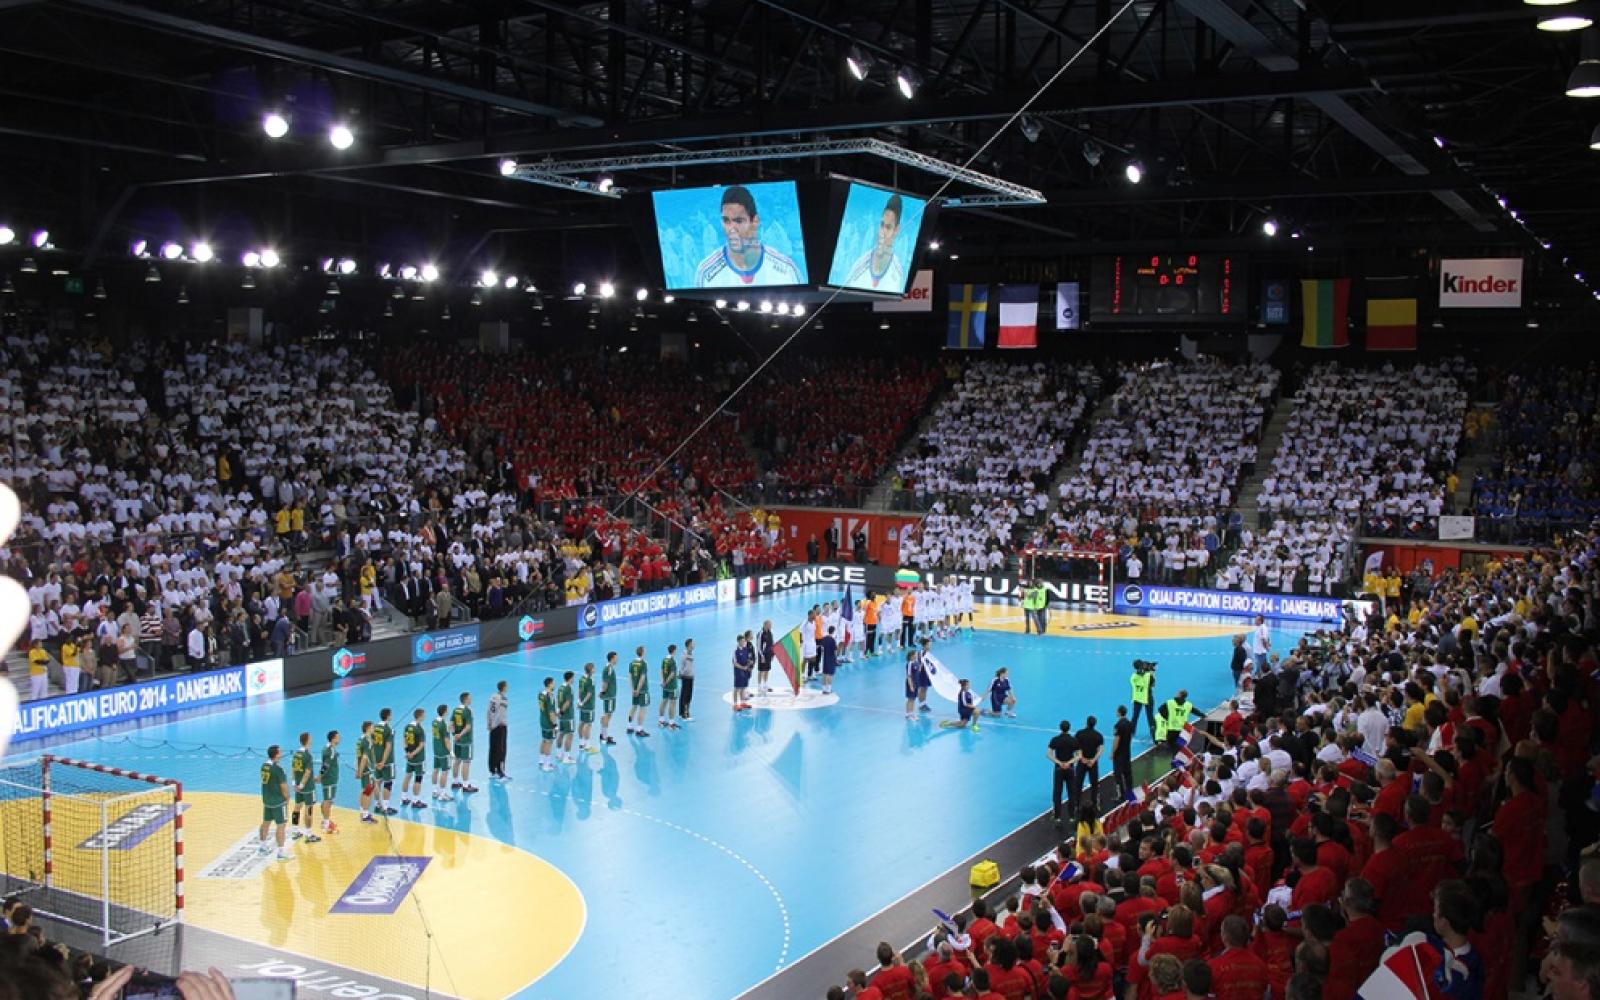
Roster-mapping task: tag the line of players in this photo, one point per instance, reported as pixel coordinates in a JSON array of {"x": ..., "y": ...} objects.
[{"x": 452, "y": 739}]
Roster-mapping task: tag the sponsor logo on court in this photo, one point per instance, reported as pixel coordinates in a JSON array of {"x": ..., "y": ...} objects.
[
  {"x": 382, "y": 886},
  {"x": 244, "y": 860},
  {"x": 344, "y": 661},
  {"x": 529, "y": 627},
  {"x": 1102, "y": 626},
  {"x": 438, "y": 645},
  {"x": 333, "y": 980},
  {"x": 131, "y": 829}
]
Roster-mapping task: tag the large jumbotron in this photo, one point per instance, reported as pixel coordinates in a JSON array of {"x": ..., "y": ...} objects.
[{"x": 743, "y": 501}]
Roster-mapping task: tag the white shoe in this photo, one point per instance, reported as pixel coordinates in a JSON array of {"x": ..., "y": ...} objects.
[
  {"x": 569, "y": 759},
  {"x": 547, "y": 767},
  {"x": 285, "y": 856}
]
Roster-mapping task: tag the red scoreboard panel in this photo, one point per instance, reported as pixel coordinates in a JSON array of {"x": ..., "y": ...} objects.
[{"x": 1164, "y": 289}]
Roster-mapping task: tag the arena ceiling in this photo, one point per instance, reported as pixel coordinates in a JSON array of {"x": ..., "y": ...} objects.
[{"x": 1364, "y": 125}]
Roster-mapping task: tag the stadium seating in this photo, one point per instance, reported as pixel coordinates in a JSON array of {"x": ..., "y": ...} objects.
[{"x": 1548, "y": 456}]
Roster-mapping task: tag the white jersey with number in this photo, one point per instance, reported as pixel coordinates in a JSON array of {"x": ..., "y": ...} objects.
[{"x": 716, "y": 271}]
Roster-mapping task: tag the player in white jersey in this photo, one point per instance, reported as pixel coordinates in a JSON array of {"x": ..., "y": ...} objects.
[
  {"x": 879, "y": 268},
  {"x": 743, "y": 261},
  {"x": 966, "y": 604}
]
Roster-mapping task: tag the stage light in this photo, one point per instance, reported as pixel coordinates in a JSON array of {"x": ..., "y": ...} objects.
[
  {"x": 743, "y": 306},
  {"x": 250, "y": 259},
  {"x": 1585, "y": 78},
  {"x": 488, "y": 278},
  {"x": 1134, "y": 171},
  {"x": 1438, "y": 140},
  {"x": 347, "y": 266},
  {"x": 1547, "y": 3},
  {"x": 578, "y": 288},
  {"x": 7, "y": 234},
  {"x": 721, "y": 303},
  {"x": 408, "y": 272},
  {"x": 857, "y": 62},
  {"x": 275, "y": 125},
  {"x": 783, "y": 308},
  {"x": 799, "y": 310},
  {"x": 1565, "y": 22},
  {"x": 333, "y": 289},
  {"x": 384, "y": 270},
  {"x": 642, "y": 294},
  {"x": 883, "y": 325},
  {"x": 446, "y": 313},
  {"x": 477, "y": 298},
  {"x": 1594, "y": 138},
  {"x": 388, "y": 309},
  {"x": 934, "y": 245},
  {"x": 100, "y": 289},
  {"x": 327, "y": 265},
  {"x": 249, "y": 282},
  {"x": 202, "y": 253},
  {"x": 510, "y": 281},
  {"x": 907, "y": 80},
  {"x": 669, "y": 299},
  {"x": 340, "y": 137},
  {"x": 183, "y": 295},
  {"x": 429, "y": 272},
  {"x": 766, "y": 305},
  {"x": 607, "y": 289},
  {"x": 28, "y": 266},
  {"x": 1270, "y": 227},
  {"x": 171, "y": 251},
  {"x": 605, "y": 184},
  {"x": 41, "y": 239},
  {"x": 508, "y": 167},
  {"x": 538, "y": 304},
  {"x": 270, "y": 258}
]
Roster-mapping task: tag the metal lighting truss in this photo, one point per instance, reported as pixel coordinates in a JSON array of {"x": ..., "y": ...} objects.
[{"x": 560, "y": 173}]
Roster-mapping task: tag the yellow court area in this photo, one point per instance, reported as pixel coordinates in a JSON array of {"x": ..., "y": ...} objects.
[
  {"x": 538, "y": 913},
  {"x": 1079, "y": 624}
]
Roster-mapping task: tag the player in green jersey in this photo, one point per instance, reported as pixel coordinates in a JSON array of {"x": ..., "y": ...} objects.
[
  {"x": 639, "y": 688},
  {"x": 383, "y": 763},
  {"x": 667, "y": 718},
  {"x": 461, "y": 737},
  {"x": 441, "y": 754},
  {"x": 305, "y": 791},
  {"x": 328, "y": 776},
  {"x": 566, "y": 707},
  {"x": 274, "y": 802},
  {"x": 416, "y": 751},
  {"x": 608, "y": 698},
  {"x": 547, "y": 723},
  {"x": 586, "y": 708},
  {"x": 366, "y": 772}
]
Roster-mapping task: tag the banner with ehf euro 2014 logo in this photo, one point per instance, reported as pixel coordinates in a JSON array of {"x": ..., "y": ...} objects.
[
  {"x": 627, "y": 609},
  {"x": 1292, "y": 607},
  {"x": 444, "y": 644}
]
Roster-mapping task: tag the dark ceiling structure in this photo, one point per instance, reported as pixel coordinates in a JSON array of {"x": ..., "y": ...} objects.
[{"x": 1363, "y": 126}]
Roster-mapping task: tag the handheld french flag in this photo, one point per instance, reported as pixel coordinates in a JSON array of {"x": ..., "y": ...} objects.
[
  {"x": 1069, "y": 871},
  {"x": 945, "y": 920},
  {"x": 1185, "y": 751},
  {"x": 1126, "y": 811},
  {"x": 847, "y": 615}
]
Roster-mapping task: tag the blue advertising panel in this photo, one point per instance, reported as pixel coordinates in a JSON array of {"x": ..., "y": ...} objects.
[
  {"x": 731, "y": 236},
  {"x": 443, "y": 644},
  {"x": 70, "y": 712},
  {"x": 877, "y": 239},
  {"x": 629, "y": 609},
  {"x": 1291, "y": 607}
]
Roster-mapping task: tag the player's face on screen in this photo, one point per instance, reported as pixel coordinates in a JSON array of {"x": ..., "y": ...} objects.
[
  {"x": 888, "y": 229},
  {"x": 741, "y": 229}
]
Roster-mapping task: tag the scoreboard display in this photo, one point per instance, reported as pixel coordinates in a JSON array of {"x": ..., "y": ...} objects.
[{"x": 1163, "y": 289}]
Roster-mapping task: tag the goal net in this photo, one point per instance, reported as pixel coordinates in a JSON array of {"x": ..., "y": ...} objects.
[
  {"x": 94, "y": 846},
  {"x": 1086, "y": 576}
]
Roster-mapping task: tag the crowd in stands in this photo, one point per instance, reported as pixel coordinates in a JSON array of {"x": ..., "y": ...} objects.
[
  {"x": 1548, "y": 456},
  {"x": 987, "y": 457},
  {"x": 1423, "y": 779},
  {"x": 857, "y": 412}
]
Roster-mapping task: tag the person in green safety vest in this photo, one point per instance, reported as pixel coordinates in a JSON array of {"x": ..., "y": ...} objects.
[
  {"x": 1143, "y": 684},
  {"x": 1029, "y": 593},
  {"x": 1041, "y": 608},
  {"x": 1178, "y": 710}
]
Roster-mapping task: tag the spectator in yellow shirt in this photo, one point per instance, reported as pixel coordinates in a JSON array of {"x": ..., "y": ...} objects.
[
  {"x": 280, "y": 521},
  {"x": 38, "y": 671},
  {"x": 71, "y": 669}
]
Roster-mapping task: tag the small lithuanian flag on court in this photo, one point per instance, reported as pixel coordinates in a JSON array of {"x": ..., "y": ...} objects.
[{"x": 1326, "y": 303}]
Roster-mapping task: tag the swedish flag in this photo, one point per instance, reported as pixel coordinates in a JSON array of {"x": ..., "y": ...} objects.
[{"x": 969, "y": 314}]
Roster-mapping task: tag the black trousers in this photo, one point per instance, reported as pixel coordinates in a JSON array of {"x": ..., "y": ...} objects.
[
  {"x": 1091, "y": 772},
  {"x": 685, "y": 696},
  {"x": 1150, "y": 714},
  {"x": 908, "y": 632},
  {"x": 1123, "y": 769},
  {"x": 497, "y": 750},
  {"x": 1067, "y": 778},
  {"x": 872, "y": 639}
]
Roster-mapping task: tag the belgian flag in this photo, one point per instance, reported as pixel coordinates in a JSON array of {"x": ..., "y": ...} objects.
[{"x": 1391, "y": 314}]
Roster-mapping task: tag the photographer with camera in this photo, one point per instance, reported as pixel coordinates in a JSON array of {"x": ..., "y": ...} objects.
[{"x": 1143, "y": 685}]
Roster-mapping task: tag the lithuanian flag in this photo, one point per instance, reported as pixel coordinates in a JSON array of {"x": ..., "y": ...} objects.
[
  {"x": 1391, "y": 314},
  {"x": 787, "y": 652},
  {"x": 1326, "y": 302}
]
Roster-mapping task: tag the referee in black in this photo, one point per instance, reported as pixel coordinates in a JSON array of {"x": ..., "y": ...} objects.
[{"x": 1063, "y": 754}]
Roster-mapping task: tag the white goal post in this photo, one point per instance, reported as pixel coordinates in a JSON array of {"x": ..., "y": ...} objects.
[
  {"x": 1096, "y": 584},
  {"x": 94, "y": 846}
]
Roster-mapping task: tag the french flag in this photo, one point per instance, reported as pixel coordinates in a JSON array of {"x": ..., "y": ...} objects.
[
  {"x": 1185, "y": 753},
  {"x": 1019, "y": 316},
  {"x": 1126, "y": 811}
]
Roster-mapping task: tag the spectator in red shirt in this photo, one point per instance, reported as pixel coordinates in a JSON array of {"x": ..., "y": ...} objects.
[
  {"x": 1428, "y": 856},
  {"x": 1275, "y": 947},
  {"x": 1356, "y": 949},
  {"x": 1087, "y": 974},
  {"x": 1196, "y": 979},
  {"x": 1330, "y": 853},
  {"x": 1006, "y": 977},
  {"x": 1316, "y": 883},
  {"x": 1239, "y": 972},
  {"x": 944, "y": 964},
  {"x": 1166, "y": 978},
  {"x": 893, "y": 980}
]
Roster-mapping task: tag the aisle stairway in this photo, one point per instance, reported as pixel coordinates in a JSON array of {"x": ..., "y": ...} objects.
[
  {"x": 1271, "y": 440},
  {"x": 1477, "y": 457}
]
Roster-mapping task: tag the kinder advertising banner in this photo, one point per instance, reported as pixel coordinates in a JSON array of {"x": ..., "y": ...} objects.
[
  {"x": 918, "y": 298},
  {"x": 1292, "y": 607},
  {"x": 630, "y": 609},
  {"x": 70, "y": 712},
  {"x": 440, "y": 645},
  {"x": 1481, "y": 283}
]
